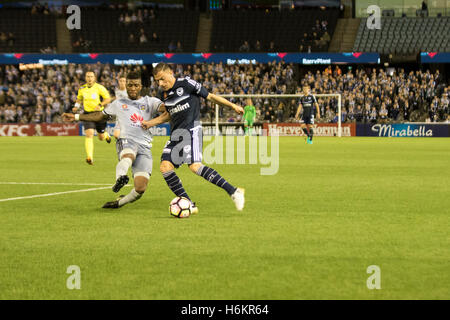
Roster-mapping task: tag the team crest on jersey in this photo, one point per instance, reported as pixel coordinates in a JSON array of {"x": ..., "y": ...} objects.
[
  {"x": 180, "y": 91},
  {"x": 142, "y": 108}
]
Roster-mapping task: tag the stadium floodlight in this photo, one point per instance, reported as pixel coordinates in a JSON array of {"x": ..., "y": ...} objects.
[{"x": 277, "y": 96}]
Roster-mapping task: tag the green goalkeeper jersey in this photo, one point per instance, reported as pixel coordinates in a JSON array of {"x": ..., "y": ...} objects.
[{"x": 249, "y": 113}]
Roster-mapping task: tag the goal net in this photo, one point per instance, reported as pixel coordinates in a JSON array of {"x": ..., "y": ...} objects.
[{"x": 287, "y": 104}]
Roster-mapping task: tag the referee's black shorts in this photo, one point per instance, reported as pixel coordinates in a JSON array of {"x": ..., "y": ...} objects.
[{"x": 100, "y": 127}]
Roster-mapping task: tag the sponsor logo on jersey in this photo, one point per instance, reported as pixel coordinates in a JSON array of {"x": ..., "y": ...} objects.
[
  {"x": 180, "y": 91},
  {"x": 136, "y": 119},
  {"x": 124, "y": 107},
  {"x": 179, "y": 108}
]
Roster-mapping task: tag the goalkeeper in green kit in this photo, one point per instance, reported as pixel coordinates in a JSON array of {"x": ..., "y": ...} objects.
[{"x": 249, "y": 117}]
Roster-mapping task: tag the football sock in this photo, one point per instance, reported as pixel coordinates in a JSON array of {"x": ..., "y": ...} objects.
[
  {"x": 131, "y": 197},
  {"x": 89, "y": 146},
  {"x": 123, "y": 166},
  {"x": 246, "y": 130},
  {"x": 305, "y": 131},
  {"x": 214, "y": 177},
  {"x": 174, "y": 184},
  {"x": 106, "y": 135},
  {"x": 311, "y": 133}
]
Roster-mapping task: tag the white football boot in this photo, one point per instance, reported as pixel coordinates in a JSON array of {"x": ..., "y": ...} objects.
[
  {"x": 194, "y": 208},
  {"x": 238, "y": 198}
]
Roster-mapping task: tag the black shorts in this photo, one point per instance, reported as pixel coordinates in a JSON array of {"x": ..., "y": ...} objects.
[
  {"x": 184, "y": 146},
  {"x": 308, "y": 118},
  {"x": 100, "y": 127}
]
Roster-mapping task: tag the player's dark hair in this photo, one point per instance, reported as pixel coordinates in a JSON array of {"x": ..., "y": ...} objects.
[
  {"x": 133, "y": 75},
  {"x": 161, "y": 67}
]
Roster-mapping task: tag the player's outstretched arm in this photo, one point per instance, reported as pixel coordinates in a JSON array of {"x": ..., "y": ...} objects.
[
  {"x": 164, "y": 117},
  {"x": 318, "y": 111},
  {"x": 224, "y": 102},
  {"x": 155, "y": 121},
  {"x": 93, "y": 116}
]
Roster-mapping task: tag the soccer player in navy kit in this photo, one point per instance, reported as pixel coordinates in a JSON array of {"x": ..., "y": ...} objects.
[
  {"x": 307, "y": 103},
  {"x": 181, "y": 99}
]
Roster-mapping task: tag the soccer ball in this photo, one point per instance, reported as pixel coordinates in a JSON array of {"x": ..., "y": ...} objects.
[{"x": 180, "y": 207}]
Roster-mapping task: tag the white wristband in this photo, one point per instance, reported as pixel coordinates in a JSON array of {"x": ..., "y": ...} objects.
[
  {"x": 77, "y": 117},
  {"x": 77, "y": 105}
]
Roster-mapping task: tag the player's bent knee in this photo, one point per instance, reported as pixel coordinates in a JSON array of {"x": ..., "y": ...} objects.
[
  {"x": 127, "y": 152},
  {"x": 195, "y": 166},
  {"x": 165, "y": 166}
]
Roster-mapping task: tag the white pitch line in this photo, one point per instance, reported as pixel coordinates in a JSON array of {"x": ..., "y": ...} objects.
[
  {"x": 59, "y": 183},
  {"x": 53, "y": 194}
]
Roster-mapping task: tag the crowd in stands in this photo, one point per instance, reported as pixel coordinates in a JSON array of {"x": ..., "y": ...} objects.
[
  {"x": 317, "y": 39},
  {"x": 7, "y": 38},
  {"x": 373, "y": 95},
  {"x": 368, "y": 95}
]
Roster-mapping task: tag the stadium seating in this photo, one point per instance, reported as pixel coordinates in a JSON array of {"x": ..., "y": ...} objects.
[
  {"x": 405, "y": 36},
  {"x": 103, "y": 30},
  {"x": 31, "y": 32},
  {"x": 284, "y": 28}
]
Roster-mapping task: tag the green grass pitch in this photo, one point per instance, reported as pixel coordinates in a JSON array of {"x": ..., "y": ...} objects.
[{"x": 309, "y": 232}]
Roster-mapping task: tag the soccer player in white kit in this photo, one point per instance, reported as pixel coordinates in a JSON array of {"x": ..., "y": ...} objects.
[
  {"x": 134, "y": 144},
  {"x": 119, "y": 93}
]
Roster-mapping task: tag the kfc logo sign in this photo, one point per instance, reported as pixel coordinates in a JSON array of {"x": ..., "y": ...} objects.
[{"x": 9, "y": 130}]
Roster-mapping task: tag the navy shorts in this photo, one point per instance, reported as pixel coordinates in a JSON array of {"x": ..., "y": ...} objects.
[
  {"x": 308, "y": 119},
  {"x": 184, "y": 146}
]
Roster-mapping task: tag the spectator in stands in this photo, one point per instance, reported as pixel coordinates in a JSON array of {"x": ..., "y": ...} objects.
[
  {"x": 179, "y": 47},
  {"x": 245, "y": 47},
  {"x": 326, "y": 37},
  {"x": 395, "y": 111},
  {"x": 122, "y": 19},
  {"x": 142, "y": 37},
  {"x": 131, "y": 39},
  {"x": 152, "y": 14},
  {"x": 258, "y": 47},
  {"x": 271, "y": 47},
  {"x": 383, "y": 114},
  {"x": 127, "y": 19},
  {"x": 155, "y": 38},
  {"x": 172, "y": 46},
  {"x": 11, "y": 39},
  {"x": 48, "y": 115},
  {"x": 3, "y": 38}
]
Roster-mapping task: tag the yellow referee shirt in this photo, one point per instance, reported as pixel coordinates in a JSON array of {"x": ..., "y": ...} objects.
[{"x": 90, "y": 96}]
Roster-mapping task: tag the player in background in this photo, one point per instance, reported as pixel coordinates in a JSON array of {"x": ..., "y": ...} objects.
[
  {"x": 119, "y": 93},
  {"x": 307, "y": 103},
  {"x": 89, "y": 96},
  {"x": 181, "y": 99},
  {"x": 249, "y": 117},
  {"x": 134, "y": 142}
]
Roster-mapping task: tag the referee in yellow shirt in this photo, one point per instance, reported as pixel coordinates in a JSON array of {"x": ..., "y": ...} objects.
[{"x": 89, "y": 96}]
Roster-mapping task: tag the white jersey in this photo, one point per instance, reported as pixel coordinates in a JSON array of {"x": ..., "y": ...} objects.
[
  {"x": 119, "y": 94},
  {"x": 130, "y": 114}
]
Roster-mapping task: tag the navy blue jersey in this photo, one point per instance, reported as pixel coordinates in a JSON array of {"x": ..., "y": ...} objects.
[
  {"x": 308, "y": 104},
  {"x": 182, "y": 103}
]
